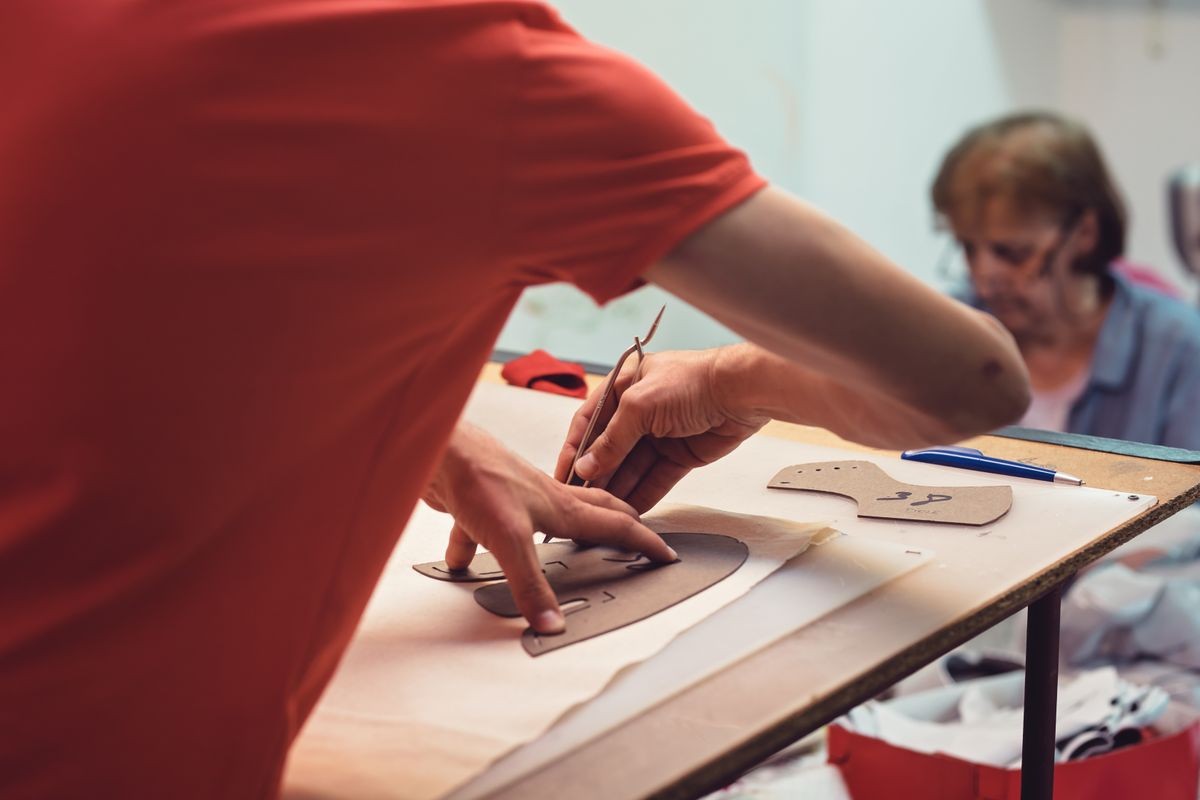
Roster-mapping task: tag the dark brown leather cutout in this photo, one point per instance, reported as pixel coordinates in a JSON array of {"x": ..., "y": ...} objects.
[
  {"x": 485, "y": 567},
  {"x": 880, "y": 496},
  {"x": 602, "y": 589}
]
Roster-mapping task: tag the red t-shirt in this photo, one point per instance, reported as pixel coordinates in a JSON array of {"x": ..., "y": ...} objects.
[{"x": 253, "y": 254}]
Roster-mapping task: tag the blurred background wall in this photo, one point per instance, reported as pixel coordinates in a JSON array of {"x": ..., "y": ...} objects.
[{"x": 850, "y": 104}]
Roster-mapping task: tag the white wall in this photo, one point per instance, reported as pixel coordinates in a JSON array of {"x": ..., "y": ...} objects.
[
  {"x": 886, "y": 88},
  {"x": 736, "y": 63},
  {"x": 1132, "y": 73},
  {"x": 850, "y": 104}
]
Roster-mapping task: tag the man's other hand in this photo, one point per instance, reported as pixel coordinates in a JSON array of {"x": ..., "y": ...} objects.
[{"x": 500, "y": 501}]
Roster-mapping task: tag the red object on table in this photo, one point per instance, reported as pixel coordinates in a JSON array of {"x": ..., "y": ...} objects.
[{"x": 542, "y": 371}]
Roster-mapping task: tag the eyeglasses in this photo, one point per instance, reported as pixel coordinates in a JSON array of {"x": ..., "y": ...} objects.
[{"x": 957, "y": 260}]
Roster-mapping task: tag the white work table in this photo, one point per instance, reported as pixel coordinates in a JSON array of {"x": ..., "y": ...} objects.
[{"x": 702, "y": 737}]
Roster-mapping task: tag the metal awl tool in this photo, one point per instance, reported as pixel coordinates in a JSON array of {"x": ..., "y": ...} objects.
[{"x": 609, "y": 398}]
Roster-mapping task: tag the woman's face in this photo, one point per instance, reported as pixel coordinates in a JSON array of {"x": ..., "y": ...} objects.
[{"x": 1019, "y": 265}]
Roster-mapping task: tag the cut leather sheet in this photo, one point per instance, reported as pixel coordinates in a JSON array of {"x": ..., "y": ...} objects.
[
  {"x": 429, "y": 665},
  {"x": 880, "y": 496},
  {"x": 602, "y": 589},
  {"x": 484, "y": 567}
]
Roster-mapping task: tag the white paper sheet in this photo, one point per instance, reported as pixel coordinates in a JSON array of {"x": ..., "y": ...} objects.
[
  {"x": 434, "y": 688},
  {"x": 825, "y": 577}
]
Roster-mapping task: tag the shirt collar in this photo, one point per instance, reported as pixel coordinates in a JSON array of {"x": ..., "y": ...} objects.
[{"x": 1117, "y": 344}]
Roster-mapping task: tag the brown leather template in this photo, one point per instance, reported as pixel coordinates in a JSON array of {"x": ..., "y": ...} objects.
[
  {"x": 880, "y": 496},
  {"x": 601, "y": 588}
]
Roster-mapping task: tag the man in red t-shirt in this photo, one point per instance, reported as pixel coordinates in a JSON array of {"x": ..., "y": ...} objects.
[{"x": 253, "y": 254}]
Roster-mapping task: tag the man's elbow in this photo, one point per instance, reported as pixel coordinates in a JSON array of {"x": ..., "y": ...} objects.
[{"x": 1000, "y": 399}]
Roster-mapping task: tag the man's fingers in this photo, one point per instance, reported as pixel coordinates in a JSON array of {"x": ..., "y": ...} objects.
[
  {"x": 624, "y": 430},
  {"x": 655, "y": 484},
  {"x": 530, "y": 589},
  {"x": 640, "y": 461},
  {"x": 597, "y": 525},
  {"x": 460, "y": 550},
  {"x": 562, "y": 467},
  {"x": 575, "y": 432},
  {"x": 566, "y": 456},
  {"x": 603, "y": 498}
]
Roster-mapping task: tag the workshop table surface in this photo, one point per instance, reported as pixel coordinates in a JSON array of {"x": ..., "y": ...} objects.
[{"x": 704, "y": 736}]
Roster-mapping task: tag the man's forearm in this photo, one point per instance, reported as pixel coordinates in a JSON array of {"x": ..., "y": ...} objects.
[
  {"x": 799, "y": 284},
  {"x": 757, "y": 382}
]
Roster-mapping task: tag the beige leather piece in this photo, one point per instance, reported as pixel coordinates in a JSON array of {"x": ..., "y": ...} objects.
[{"x": 879, "y": 496}]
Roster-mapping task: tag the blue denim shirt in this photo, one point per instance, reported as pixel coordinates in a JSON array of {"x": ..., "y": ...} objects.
[{"x": 1144, "y": 383}]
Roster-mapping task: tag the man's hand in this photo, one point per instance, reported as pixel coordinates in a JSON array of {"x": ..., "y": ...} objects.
[
  {"x": 680, "y": 415},
  {"x": 692, "y": 407},
  {"x": 500, "y": 501}
]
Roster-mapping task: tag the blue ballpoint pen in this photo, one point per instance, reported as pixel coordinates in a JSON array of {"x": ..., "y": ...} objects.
[{"x": 970, "y": 458}]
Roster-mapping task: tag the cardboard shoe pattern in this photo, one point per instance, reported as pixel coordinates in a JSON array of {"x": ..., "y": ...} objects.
[
  {"x": 880, "y": 496},
  {"x": 601, "y": 588}
]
